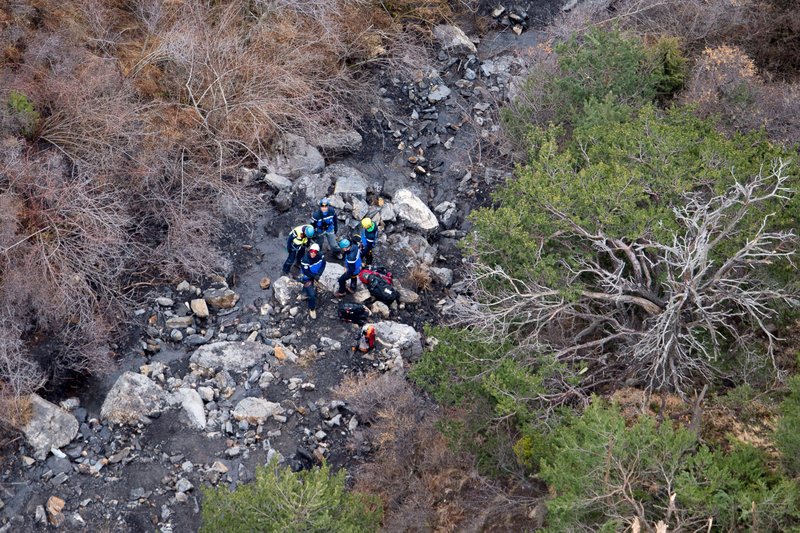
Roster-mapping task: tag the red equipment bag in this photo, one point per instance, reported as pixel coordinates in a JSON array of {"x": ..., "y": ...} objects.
[{"x": 379, "y": 271}]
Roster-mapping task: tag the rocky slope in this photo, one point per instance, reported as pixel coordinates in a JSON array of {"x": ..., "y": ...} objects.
[{"x": 231, "y": 373}]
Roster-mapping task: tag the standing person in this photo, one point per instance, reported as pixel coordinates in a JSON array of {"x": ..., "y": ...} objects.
[
  {"x": 311, "y": 268},
  {"x": 296, "y": 245},
  {"x": 327, "y": 226},
  {"x": 369, "y": 238},
  {"x": 352, "y": 263}
]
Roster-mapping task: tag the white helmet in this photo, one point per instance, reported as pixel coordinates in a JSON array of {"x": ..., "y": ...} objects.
[{"x": 315, "y": 247}]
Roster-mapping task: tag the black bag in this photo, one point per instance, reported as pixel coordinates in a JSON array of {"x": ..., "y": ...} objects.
[
  {"x": 381, "y": 289},
  {"x": 353, "y": 312}
]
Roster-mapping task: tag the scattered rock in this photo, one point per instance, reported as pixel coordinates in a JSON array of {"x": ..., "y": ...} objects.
[
  {"x": 283, "y": 201},
  {"x": 438, "y": 93},
  {"x": 199, "y": 308},
  {"x": 294, "y": 158},
  {"x": 179, "y": 322},
  {"x": 349, "y": 181},
  {"x": 407, "y": 296},
  {"x": 381, "y": 309},
  {"x": 192, "y": 405},
  {"x": 49, "y": 426},
  {"x": 265, "y": 283},
  {"x": 183, "y": 485},
  {"x": 220, "y": 298},
  {"x": 282, "y": 353},
  {"x": 256, "y": 410},
  {"x": 230, "y": 356},
  {"x": 448, "y": 214},
  {"x": 413, "y": 211},
  {"x": 312, "y": 187},
  {"x": 132, "y": 398},
  {"x": 443, "y": 275},
  {"x": 453, "y": 39},
  {"x": 278, "y": 182},
  {"x": 285, "y": 289},
  {"x": 339, "y": 143},
  {"x": 165, "y": 302}
]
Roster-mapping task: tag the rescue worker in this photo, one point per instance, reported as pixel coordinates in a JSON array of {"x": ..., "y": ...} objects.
[
  {"x": 327, "y": 226},
  {"x": 365, "y": 342},
  {"x": 369, "y": 238},
  {"x": 352, "y": 263},
  {"x": 296, "y": 245},
  {"x": 311, "y": 268}
]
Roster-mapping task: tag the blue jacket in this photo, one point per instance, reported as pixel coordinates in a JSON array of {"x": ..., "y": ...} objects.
[
  {"x": 325, "y": 222},
  {"x": 312, "y": 267},
  {"x": 369, "y": 238},
  {"x": 352, "y": 261}
]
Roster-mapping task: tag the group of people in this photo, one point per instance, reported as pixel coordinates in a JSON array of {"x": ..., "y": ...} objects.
[{"x": 304, "y": 246}]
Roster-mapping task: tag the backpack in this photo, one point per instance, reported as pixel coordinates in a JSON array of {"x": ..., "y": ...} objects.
[
  {"x": 350, "y": 312},
  {"x": 381, "y": 289},
  {"x": 377, "y": 271}
]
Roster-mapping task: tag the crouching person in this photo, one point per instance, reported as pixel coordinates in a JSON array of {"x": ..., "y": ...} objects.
[
  {"x": 296, "y": 245},
  {"x": 311, "y": 268}
]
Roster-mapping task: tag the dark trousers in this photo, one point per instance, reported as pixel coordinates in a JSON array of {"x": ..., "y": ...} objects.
[
  {"x": 295, "y": 255},
  {"x": 311, "y": 291},
  {"x": 368, "y": 257},
  {"x": 343, "y": 280}
]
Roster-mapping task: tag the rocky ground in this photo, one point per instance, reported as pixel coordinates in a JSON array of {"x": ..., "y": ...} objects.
[{"x": 233, "y": 372}]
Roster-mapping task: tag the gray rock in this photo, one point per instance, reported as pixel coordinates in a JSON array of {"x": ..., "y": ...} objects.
[
  {"x": 230, "y": 356},
  {"x": 132, "y": 398},
  {"x": 453, "y": 39},
  {"x": 413, "y": 211},
  {"x": 206, "y": 393},
  {"x": 285, "y": 289},
  {"x": 220, "y": 298},
  {"x": 179, "y": 322},
  {"x": 278, "y": 182},
  {"x": 349, "y": 181},
  {"x": 443, "y": 275},
  {"x": 448, "y": 214},
  {"x": 388, "y": 214},
  {"x": 400, "y": 336},
  {"x": 176, "y": 335},
  {"x": 283, "y": 201},
  {"x": 313, "y": 187},
  {"x": 49, "y": 426},
  {"x": 256, "y": 410},
  {"x": 339, "y": 143},
  {"x": 331, "y": 344},
  {"x": 439, "y": 93},
  {"x": 165, "y": 302},
  {"x": 407, "y": 296},
  {"x": 329, "y": 278},
  {"x": 360, "y": 208},
  {"x": 183, "y": 485},
  {"x": 381, "y": 309},
  {"x": 192, "y": 405},
  {"x": 294, "y": 158}
]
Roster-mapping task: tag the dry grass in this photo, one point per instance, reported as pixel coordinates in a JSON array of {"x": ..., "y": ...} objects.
[{"x": 421, "y": 278}]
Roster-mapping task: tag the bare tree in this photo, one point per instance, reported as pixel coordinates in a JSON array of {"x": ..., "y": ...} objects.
[{"x": 656, "y": 314}]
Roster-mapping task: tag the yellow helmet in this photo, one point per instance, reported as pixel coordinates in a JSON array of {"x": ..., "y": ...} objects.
[{"x": 366, "y": 223}]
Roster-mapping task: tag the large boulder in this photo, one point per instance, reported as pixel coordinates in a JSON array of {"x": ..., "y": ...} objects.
[
  {"x": 192, "y": 405},
  {"x": 277, "y": 182},
  {"x": 48, "y": 427},
  {"x": 453, "y": 39},
  {"x": 133, "y": 397},
  {"x": 313, "y": 187},
  {"x": 256, "y": 410},
  {"x": 230, "y": 356},
  {"x": 330, "y": 278},
  {"x": 401, "y": 336},
  {"x": 413, "y": 211},
  {"x": 285, "y": 289},
  {"x": 339, "y": 143},
  {"x": 294, "y": 157},
  {"x": 349, "y": 181}
]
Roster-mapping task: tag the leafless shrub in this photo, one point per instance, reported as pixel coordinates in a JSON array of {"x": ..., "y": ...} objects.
[
  {"x": 18, "y": 376},
  {"x": 725, "y": 83},
  {"x": 424, "y": 485},
  {"x": 653, "y": 313}
]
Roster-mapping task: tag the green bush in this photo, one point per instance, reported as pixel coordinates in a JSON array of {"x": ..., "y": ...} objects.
[
  {"x": 787, "y": 434},
  {"x": 22, "y": 112},
  {"x": 603, "y": 473},
  {"x": 280, "y": 500}
]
